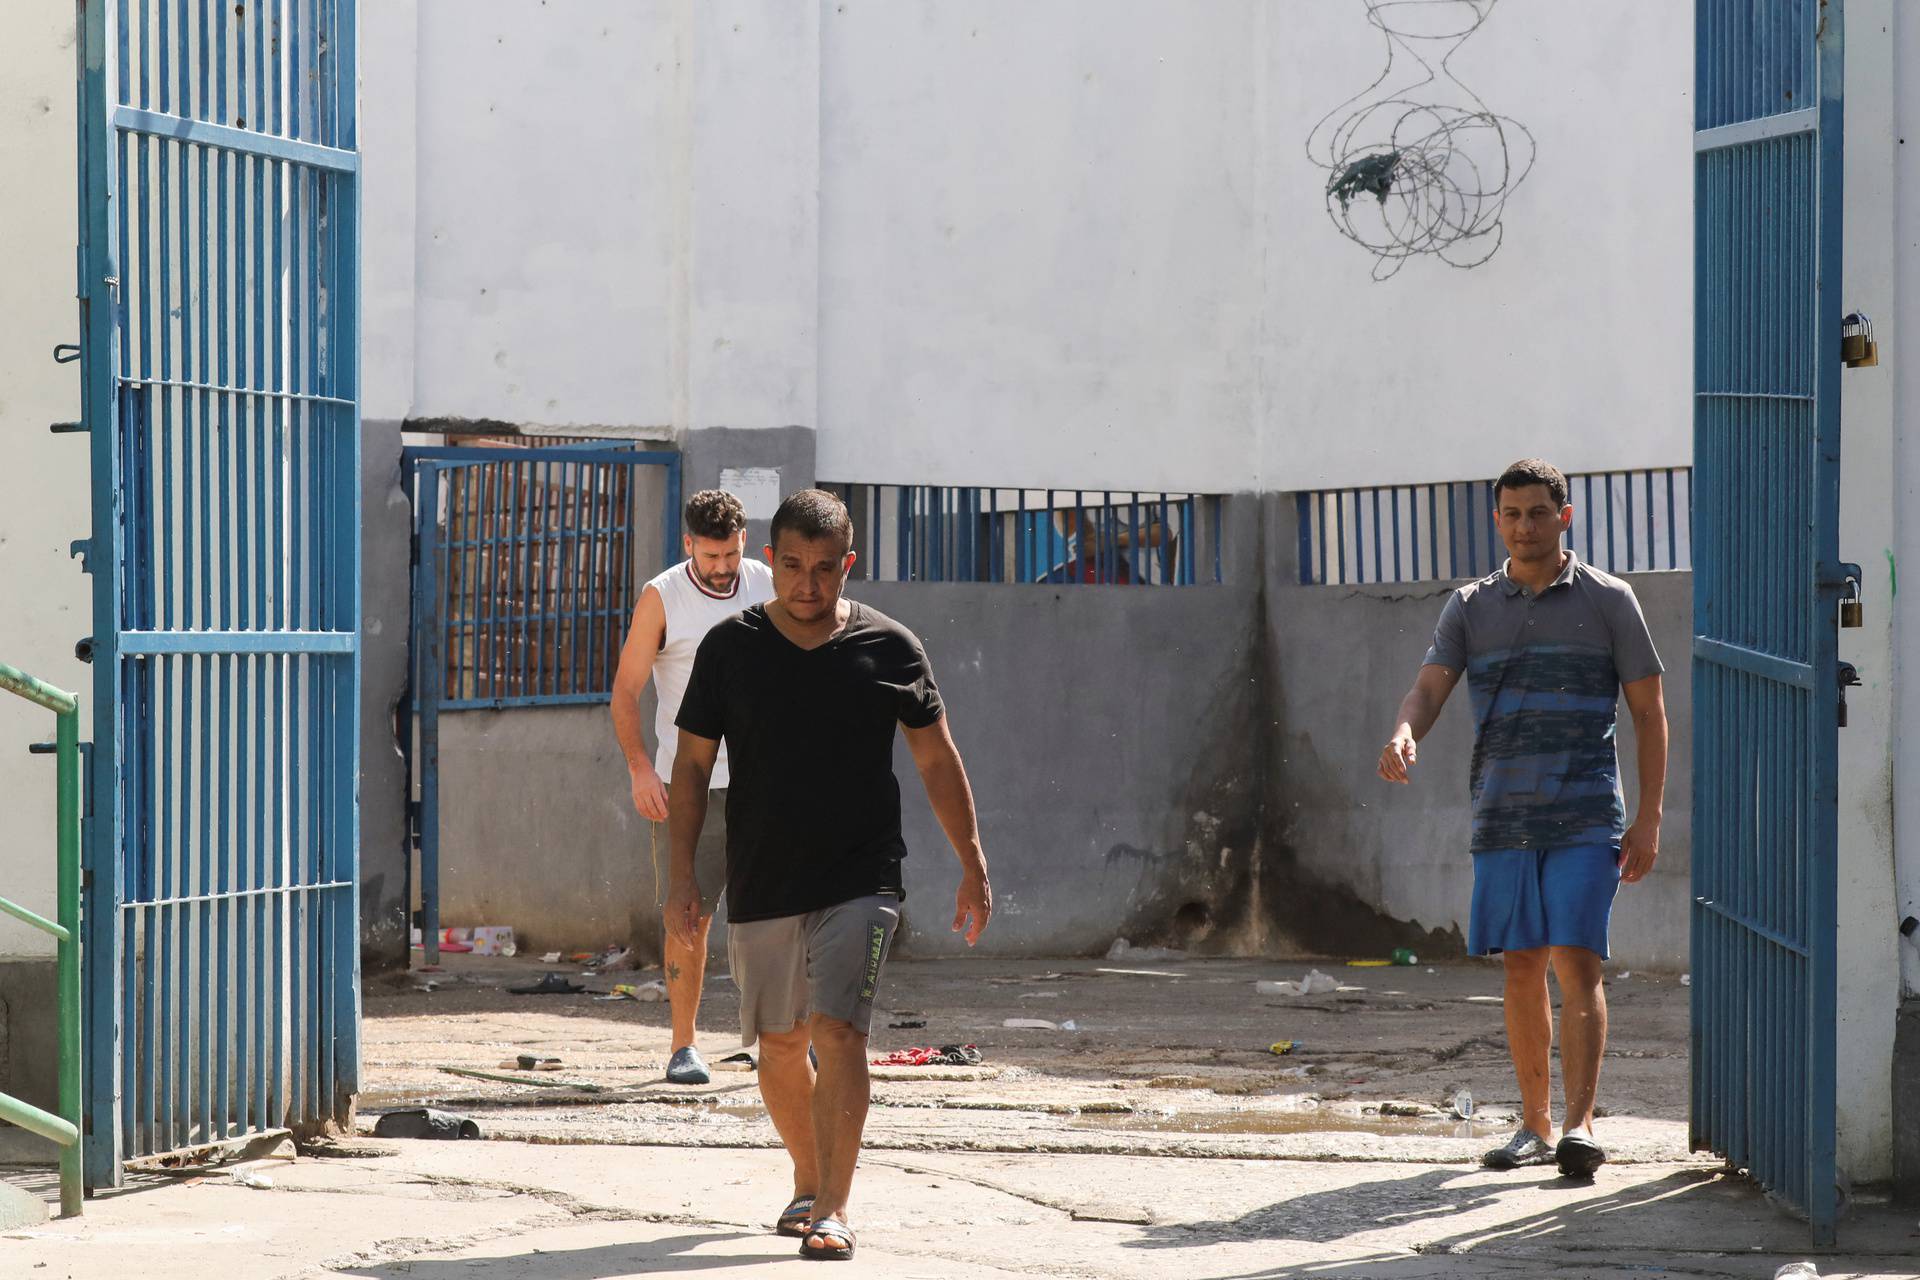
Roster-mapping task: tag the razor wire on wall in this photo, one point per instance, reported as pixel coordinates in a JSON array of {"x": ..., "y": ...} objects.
[{"x": 1416, "y": 162}]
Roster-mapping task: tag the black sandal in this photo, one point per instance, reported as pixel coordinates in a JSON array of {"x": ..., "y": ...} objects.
[
  {"x": 828, "y": 1228},
  {"x": 794, "y": 1218}
]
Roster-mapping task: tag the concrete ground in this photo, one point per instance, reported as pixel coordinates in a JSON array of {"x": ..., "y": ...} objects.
[{"x": 1162, "y": 1137}]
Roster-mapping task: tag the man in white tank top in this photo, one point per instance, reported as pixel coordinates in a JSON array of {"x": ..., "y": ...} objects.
[{"x": 674, "y": 614}]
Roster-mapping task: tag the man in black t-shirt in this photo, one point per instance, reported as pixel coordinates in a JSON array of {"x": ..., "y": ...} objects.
[{"x": 806, "y": 691}]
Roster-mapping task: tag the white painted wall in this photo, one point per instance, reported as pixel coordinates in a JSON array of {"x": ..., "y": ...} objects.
[
  {"x": 1072, "y": 244},
  {"x": 43, "y": 486},
  {"x": 1900, "y": 370},
  {"x": 1869, "y": 964},
  {"x": 1081, "y": 243}
]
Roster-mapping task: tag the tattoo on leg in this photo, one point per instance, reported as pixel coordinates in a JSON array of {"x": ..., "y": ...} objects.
[{"x": 673, "y": 972}]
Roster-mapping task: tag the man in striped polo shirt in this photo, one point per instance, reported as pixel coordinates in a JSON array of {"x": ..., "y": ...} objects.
[{"x": 1548, "y": 644}]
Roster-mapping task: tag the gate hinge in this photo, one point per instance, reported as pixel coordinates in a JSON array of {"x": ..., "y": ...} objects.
[
  {"x": 65, "y": 428},
  {"x": 82, "y": 547},
  {"x": 66, "y": 352}
]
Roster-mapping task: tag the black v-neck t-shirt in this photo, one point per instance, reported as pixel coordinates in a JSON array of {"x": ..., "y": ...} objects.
[{"x": 813, "y": 808}]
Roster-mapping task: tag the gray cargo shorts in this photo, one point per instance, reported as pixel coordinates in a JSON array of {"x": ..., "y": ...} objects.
[
  {"x": 709, "y": 856},
  {"x": 826, "y": 962}
]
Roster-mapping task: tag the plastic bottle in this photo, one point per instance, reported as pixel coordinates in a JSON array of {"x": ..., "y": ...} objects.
[
  {"x": 1463, "y": 1105},
  {"x": 1401, "y": 955}
]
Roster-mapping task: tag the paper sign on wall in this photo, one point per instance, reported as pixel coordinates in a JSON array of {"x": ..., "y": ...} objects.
[{"x": 758, "y": 489}]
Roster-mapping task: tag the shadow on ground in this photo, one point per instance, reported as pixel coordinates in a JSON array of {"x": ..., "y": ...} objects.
[{"x": 670, "y": 1256}]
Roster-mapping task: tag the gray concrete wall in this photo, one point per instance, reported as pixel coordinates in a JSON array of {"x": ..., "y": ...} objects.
[
  {"x": 1113, "y": 740},
  {"x": 537, "y": 829},
  {"x": 29, "y": 1051},
  {"x": 1341, "y": 658}
]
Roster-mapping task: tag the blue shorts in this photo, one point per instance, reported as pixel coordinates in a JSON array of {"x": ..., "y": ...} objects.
[{"x": 1529, "y": 898}]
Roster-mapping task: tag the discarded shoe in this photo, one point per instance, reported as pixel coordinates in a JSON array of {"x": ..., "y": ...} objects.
[
  {"x": 741, "y": 1061},
  {"x": 550, "y": 984},
  {"x": 1525, "y": 1148},
  {"x": 424, "y": 1122},
  {"x": 688, "y": 1067}
]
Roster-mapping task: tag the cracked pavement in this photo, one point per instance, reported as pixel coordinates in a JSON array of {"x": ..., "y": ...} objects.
[{"x": 1162, "y": 1139}]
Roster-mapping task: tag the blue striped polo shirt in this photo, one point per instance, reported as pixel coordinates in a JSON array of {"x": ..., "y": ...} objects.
[{"x": 1544, "y": 670}]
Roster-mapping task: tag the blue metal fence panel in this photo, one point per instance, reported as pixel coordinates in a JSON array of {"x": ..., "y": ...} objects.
[
  {"x": 1766, "y": 582},
  {"x": 1624, "y": 522},
  {"x": 936, "y": 533},
  {"x": 218, "y": 287},
  {"x": 526, "y": 566}
]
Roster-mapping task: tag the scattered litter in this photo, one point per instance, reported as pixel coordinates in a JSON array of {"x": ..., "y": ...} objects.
[
  {"x": 1284, "y": 1047},
  {"x": 528, "y": 1062},
  {"x": 1294, "y": 1073},
  {"x": 1069, "y": 1025},
  {"x": 1624, "y": 974},
  {"x": 550, "y": 984},
  {"x": 1039, "y": 995},
  {"x": 1686, "y": 979},
  {"x": 1368, "y": 964},
  {"x": 1124, "y": 950},
  {"x": 1429, "y": 971},
  {"x": 1797, "y": 1271},
  {"x": 552, "y": 957},
  {"x": 1030, "y": 1024},
  {"x": 742, "y": 1061},
  {"x": 949, "y": 1055},
  {"x": 1402, "y": 956},
  {"x": 614, "y": 960},
  {"x": 1462, "y": 1104},
  {"x": 1485, "y": 1000},
  {"x": 1049, "y": 976},
  {"x": 423, "y": 1122},
  {"x": 1315, "y": 983},
  {"x": 252, "y": 1178},
  {"x": 907, "y": 1024},
  {"x": 646, "y": 993},
  {"x": 427, "y": 984},
  {"x": 1142, "y": 973}
]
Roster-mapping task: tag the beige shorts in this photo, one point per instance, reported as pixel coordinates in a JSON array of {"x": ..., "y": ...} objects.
[
  {"x": 826, "y": 962},
  {"x": 709, "y": 856}
]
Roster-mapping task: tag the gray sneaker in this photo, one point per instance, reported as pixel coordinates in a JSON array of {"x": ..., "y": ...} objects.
[
  {"x": 1525, "y": 1148},
  {"x": 688, "y": 1067}
]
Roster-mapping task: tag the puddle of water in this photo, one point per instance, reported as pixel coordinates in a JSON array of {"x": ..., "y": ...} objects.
[{"x": 1278, "y": 1122}]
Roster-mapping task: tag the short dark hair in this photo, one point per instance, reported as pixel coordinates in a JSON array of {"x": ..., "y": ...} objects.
[
  {"x": 812, "y": 514},
  {"x": 1528, "y": 472},
  {"x": 716, "y": 514}
]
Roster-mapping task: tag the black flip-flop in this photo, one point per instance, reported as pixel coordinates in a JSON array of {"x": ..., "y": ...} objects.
[
  {"x": 829, "y": 1228},
  {"x": 793, "y": 1219}
]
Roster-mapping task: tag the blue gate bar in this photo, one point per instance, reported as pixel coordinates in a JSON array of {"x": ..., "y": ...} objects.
[
  {"x": 1768, "y": 168},
  {"x": 218, "y": 287}
]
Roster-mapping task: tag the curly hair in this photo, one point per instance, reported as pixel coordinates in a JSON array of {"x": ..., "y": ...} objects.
[
  {"x": 715, "y": 514},
  {"x": 1531, "y": 471}
]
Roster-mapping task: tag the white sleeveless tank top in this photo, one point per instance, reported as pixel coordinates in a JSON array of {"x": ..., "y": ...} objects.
[{"x": 692, "y": 611}]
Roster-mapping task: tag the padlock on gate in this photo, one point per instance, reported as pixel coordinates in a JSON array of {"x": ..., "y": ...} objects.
[{"x": 1858, "y": 350}]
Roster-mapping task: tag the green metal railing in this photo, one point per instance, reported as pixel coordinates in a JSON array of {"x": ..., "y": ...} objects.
[{"x": 64, "y": 1128}]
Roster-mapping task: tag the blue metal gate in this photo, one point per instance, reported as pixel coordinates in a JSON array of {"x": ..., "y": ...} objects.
[
  {"x": 219, "y": 267},
  {"x": 526, "y": 563},
  {"x": 1767, "y": 579}
]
